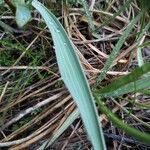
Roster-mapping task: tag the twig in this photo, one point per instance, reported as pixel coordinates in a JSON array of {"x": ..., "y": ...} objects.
[
  {"x": 119, "y": 138},
  {"x": 29, "y": 110}
]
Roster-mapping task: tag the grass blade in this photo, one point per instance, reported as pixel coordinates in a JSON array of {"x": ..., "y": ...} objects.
[
  {"x": 115, "y": 15},
  {"x": 88, "y": 14},
  {"x": 123, "y": 81},
  {"x": 139, "y": 85},
  {"x": 139, "y": 49},
  {"x": 73, "y": 76},
  {"x": 72, "y": 117},
  {"x": 141, "y": 136},
  {"x": 117, "y": 48}
]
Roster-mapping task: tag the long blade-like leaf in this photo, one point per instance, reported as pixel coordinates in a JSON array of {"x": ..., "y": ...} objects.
[
  {"x": 139, "y": 49},
  {"x": 139, "y": 85},
  {"x": 123, "y": 7},
  {"x": 71, "y": 118},
  {"x": 117, "y": 48},
  {"x": 123, "y": 81},
  {"x": 73, "y": 76},
  {"x": 141, "y": 136},
  {"x": 88, "y": 14}
]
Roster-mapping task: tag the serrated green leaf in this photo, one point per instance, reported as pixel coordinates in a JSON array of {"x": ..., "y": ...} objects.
[{"x": 73, "y": 77}]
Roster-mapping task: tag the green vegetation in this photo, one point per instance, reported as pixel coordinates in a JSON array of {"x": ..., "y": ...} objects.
[{"x": 87, "y": 41}]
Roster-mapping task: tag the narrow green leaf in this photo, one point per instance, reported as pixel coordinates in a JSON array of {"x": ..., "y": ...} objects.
[
  {"x": 141, "y": 136},
  {"x": 70, "y": 119},
  {"x": 139, "y": 49},
  {"x": 144, "y": 4},
  {"x": 123, "y": 7},
  {"x": 146, "y": 92},
  {"x": 140, "y": 57},
  {"x": 140, "y": 105},
  {"x": 117, "y": 48},
  {"x": 73, "y": 76},
  {"x": 88, "y": 14},
  {"x": 6, "y": 27},
  {"x": 142, "y": 32},
  {"x": 121, "y": 82},
  {"x": 140, "y": 85},
  {"x": 145, "y": 44}
]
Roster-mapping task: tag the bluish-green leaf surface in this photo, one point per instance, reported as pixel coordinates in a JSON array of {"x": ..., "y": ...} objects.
[
  {"x": 73, "y": 77},
  {"x": 23, "y": 15}
]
